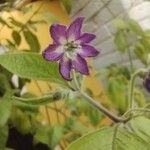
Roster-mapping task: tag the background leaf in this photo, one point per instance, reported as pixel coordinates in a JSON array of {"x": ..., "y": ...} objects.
[
  {"x": 120, "y": 41},
  {"x": 67, "y": 5},
  {"x": 32, "y": 40},
  {"x": 31, "y": 66},
  {"x": 16, "y": 36},
  {"x": 49, "y": 135}
]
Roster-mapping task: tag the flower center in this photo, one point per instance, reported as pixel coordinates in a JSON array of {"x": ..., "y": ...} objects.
[{"x": 70, "y": 46}]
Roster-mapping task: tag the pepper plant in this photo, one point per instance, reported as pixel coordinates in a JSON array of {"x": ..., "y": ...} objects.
[{"x": 65, "y": 62}]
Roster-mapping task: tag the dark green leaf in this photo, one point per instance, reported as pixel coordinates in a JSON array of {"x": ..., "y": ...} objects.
[
  {"x": 31, "y": 66},
  {"x": 4, "y": 23},
  {"x": 16, "y": 36},
  {"x": 32, "y": 40},
  {"x": 67, "y": 5},
  {"x": 31, "y": 22},
  {"x": 16, "y": 23}
]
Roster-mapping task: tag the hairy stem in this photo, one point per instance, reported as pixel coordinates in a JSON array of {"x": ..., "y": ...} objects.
[
  {"x": 130, "y": 60},
  {"x": 131, "y": 86},
  {"x": 101, "y": 108},
  {"x": 97, "y": 105},
  {"x": 136, "y": 110}
]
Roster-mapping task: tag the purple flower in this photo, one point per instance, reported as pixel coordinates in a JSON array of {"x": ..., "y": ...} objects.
[
  {"x": 70, "y": 47},
  {"x": 146, "y": 82}
]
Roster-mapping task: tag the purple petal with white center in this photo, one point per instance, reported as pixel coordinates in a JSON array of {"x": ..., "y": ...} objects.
[
  {"x": 74, "y": 30},
  {"x": 58, "y": 33},
  {"x": 86, "y": 38},
  {"x": 53, "y": 53},
  {"x": 65, "y": 68},
  {"x": 87, "y": 51},
  {"x": 80, "y": 65}
]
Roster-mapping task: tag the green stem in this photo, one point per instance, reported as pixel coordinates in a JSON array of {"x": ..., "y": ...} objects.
[
  {"x": 75, "y": 80},
  {"x": 97, "y": 105},
  {"x": 131, "y": 85},
  {"x": 38, "y": 101},
  {"x": 130, "y": 60},
  {"x": 102, "y": 109}
]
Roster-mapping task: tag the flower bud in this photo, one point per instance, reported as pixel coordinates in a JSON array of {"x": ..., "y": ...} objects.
[{"x": 146, "y": 82}]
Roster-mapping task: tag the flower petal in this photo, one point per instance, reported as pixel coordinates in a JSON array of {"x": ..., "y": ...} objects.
[
  {"x": 86, "y": 38},
  {"x": 65, "y": 68},
  {"x": 53, "y": 52},
  {"x": 58, "y": 33},
  {"x": 80, "y": 65},
  {"x": 74, "y": 29},
  {"x": 87, "y": 51}
]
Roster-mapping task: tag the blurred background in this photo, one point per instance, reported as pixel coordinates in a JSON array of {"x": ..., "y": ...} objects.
[
  {"x": 100, "y": 15},
  {"x": 123, "y": 37}
]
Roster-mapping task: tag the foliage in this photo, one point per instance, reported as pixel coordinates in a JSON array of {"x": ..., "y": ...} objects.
[
  {"x": 67, "y": 5},
  {"x": 22, "y": 111},
  {"x": 131, "y": 37},
  {"x": 118, "y": 137},
  {"x": 18, "y": 63}
]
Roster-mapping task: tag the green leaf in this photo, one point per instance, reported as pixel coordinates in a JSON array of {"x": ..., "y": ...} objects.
[
  {"x": 141, "y": 52},
  {"x": 140, "y": 127},
  {"x": 120, "y": 41},
  {"x": 135, "y": 27},
  {"x": 16, "y": 23},
  {"x": 31, "y": 66},
  {"x": 5, "y": 111},
  {"x": 32, "y": 40},
  {"x": 112, "y": 138},
  {"x": 3, "y": 136},
  {"x": 57, "y": 134},
  {"x": 49, "y": 135},
  {"x": 120, "y": 24},
  {"x": 117, "y": 92},
  {"x": 16, "y": 36},
  {"x": 75, "y": 126},
  {"x": 21, "y": 121},
  {"x": 4, "y": 23},
  {"x": 4, "y": 81},
  {"x": 31, "y": 22},
  {"x": 67, "y": 5}
]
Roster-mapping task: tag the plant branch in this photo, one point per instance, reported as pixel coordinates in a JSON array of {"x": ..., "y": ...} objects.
[
  {"x": 102, "y": 109},
  {"x": 97, "y": 105},
  {"x": 130, "y": 60},
  {"x": 131, "y": 85},
  {"x": 34, "y": 13},
  {"x": 136, "y": 109}
]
